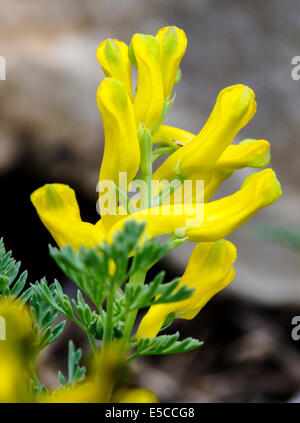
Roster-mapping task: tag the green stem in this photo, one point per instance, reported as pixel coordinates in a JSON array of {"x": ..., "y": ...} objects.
[
  {"x": 108, "y": 337},
  {"x": 145, "y": 139},
  {"x": 159, "y": 151},
  {"x": 137, "y": 278},
  {"x": 92, "y": 342},
  {"x": 167, "y": 107},
  {"x": 108, "y": 328},
  {"x": 33, "y": 373},
  {"x": 168, "y": 191}
]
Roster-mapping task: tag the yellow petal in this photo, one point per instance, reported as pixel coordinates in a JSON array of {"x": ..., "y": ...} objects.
[
  {"x": 211, "y": 182},
  {"x": 234, "y": 107},
  {"x": 121, "y": 151},
  {"x": 149, "y": 99},
  {"x": 17, "y": 348},
  {"x": 209, "y": 271},
  {"x": 173, "y": 44},
  {"x": 252, "y": 153},
  {"x": 58, "y": 209},
  {"x": 248, "y": 153},
  {"x": 225, "y": 215},
  {"x": 113, "y": 58},
  {"x": 210, "y": 221},
  {"x": 170, "y": 135}
]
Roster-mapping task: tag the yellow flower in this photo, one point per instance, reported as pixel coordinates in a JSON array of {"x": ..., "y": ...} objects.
[
  {"x": 210, "y": 269},
  {"x": 173, "y": 44},
  {"x": 113, "y": 58},
  {"x": 149, "y": 100},
  {"x": 58, "y": 209},
  {"x": 121, "y": 151},
  {"x": 13, "y": 380},
  {"x": 15, "y": 351},
  {"x": 217, "y": 219},
  {"x": 169, "y": 135},
  {"x": 248, "y": 153},
  {"x": 208, "y": 156},
  {"x": 234, "y": 107}
]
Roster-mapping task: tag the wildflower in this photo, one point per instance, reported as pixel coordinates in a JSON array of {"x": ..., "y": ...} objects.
[
  {"x": 173, "y": 44},
  {"x": 58, "y": 209},
  {"x": 210, "y": 269},
  {"x": 16, "y": 351},
  {"x": 149, "y": 99},
  {"x": 132, "y": 125},
  {"x": 121, "y": 151},
  {"x": 113, "y": 58},
  {"x": 221, "y": 217},
  {"x": 171, "y": 136},
  {"x": 234, "y": 107}
]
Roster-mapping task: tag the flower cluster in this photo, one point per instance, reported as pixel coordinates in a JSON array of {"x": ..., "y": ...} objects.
[{"x": 135, "y": 137}]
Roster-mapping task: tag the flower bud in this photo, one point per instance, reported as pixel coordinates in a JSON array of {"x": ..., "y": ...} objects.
[
  {"x": 58, "y": 209},
  {"x": 149, "y": 100},
  {"x": 121, "y": 151},
  {"x": 113, "y": 58},
  {"x": 234, "y": 107},
  {"x": 209, "y": 270},
  {"x": 173, "y": 45}
]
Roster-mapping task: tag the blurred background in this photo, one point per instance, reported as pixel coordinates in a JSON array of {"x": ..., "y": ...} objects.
[{"x": 51, "y": 131}]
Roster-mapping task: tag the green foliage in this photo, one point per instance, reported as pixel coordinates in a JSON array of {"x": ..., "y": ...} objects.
[
  {"x": 54, "y": 297},
  {"x": 141, "y": 296},
  {"x": 147, "y": 255},
  {"x": 88, "y": 269},
  {"x": 44, "y": 316},
  {"x": 96, "y": 270},
  {"x": 11, "y": 283},
  {"x": 112, "y": 277},
  {"x": 75, "y": 372},
  {"x": 165, "y": 344}
]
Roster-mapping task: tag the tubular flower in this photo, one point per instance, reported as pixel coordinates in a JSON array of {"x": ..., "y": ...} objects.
[
  {"x": 58, "y": 209},
  {"x": 209, "y": 270},
  {"x": 218, "y": 218},
  {"x": 149, "y": 100},
  {"x": 248, "y": 153},
  {"x": 171, "y": 136},
  {"x": 173, "y": 44},
  {"x": 113, "y": 58},
  {"x": 235, "y": 106},
  {"x": 121, "y": 151}
]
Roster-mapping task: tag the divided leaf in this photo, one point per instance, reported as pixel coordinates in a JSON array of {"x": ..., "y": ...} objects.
[{"x": 165, "y": 344}]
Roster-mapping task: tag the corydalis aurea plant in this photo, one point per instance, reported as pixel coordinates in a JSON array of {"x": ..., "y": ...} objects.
[{"x": 98, "y": 257}]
